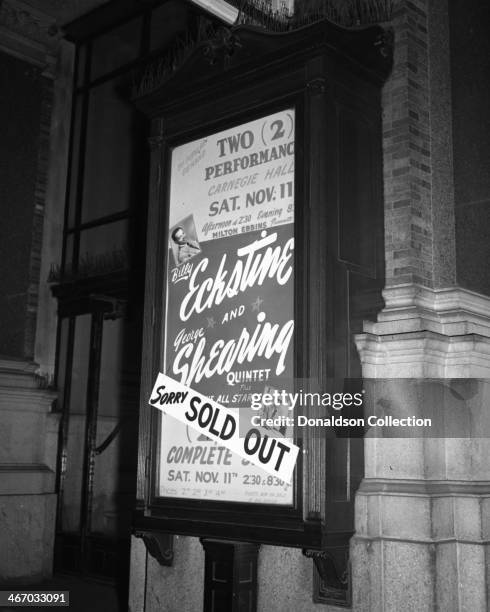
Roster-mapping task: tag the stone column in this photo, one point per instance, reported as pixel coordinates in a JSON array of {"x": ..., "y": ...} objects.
[
  {"x": 28, "y": 425},
  {"x": 422, "y": 536},
  {"x": 422, "y": 531},
  {"x": 28, "y": 443}
]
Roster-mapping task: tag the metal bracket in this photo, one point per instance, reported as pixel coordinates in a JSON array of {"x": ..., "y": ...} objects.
[
  {"x": 159, "y": 545},
  {"x": 331, "y": 582}
]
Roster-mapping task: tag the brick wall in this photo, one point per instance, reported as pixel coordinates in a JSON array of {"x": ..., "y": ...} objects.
[{"x": 407, "y": 150}]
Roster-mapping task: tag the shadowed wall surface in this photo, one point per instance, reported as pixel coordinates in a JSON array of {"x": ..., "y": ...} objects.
[
  {"x": 21, "y": 98},
  {"x": 470, "y": 71}
]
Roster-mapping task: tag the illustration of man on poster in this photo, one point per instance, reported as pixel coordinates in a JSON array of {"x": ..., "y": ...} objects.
[{"x": 184, "y": 243}]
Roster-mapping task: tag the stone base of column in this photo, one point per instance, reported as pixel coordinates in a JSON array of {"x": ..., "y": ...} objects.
[
  {"x": 421, "y": 545},
  {"x": 422, "y": 537},
  {"x": 28, "y": 443}
]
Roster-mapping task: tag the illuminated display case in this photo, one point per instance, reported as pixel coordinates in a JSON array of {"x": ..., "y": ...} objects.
[{"x": 260, "y": 141}]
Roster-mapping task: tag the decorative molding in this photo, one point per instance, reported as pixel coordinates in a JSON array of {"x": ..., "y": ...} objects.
[
  {"x": 90, "y": 266},
  {"x": 24, "y": 48},
  {"x": 221, "y": 47},
  {"x": 317, "y": 86},
  {"x": 27, "y": 21},
  {"x": 29, "y": 35},
  {"x": 288, "y": 15},
  {"x": 26, "y": 400},
  {"x": 215, "y": 43},
  {"x": 424, "y": 354},
  {"x": 26, "y": 479},
  {"x": 422, "y": 332},
  {"x": 425, "y": 488},
  {"x": 215, "y": 48},
  {"x": 22, "y": 388},
  {"x": 17, "y": 366},
  {"x": 155, "y": 142},
  {"x": 24, "y": 468},
  {"x": 441, "y": 510},
  {"x": 451, "y": 311}
]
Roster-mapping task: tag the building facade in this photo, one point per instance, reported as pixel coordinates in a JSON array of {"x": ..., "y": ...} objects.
[{"x": 74, "y": 178}]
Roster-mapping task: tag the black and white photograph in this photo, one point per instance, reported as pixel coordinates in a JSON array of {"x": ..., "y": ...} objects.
[
  {"x": 245, "y": 305},
  {"x": 183, "y": 241}
]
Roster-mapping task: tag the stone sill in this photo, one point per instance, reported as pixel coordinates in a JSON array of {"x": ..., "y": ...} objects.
[{"x": 26, "y": 479}]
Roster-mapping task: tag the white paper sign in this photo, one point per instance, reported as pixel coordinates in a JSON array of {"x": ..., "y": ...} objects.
[
  {"x": 277, "y": 456},
  {"x": 229, "y": 289}
]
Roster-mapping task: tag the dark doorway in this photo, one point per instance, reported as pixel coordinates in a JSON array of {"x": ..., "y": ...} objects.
[{"x": 98, "y": 381}]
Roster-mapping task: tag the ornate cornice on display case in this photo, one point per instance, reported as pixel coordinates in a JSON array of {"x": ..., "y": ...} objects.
[
  {"x": 217, "y": 49},
  {"x": 27, "y": 21},
  {"x": 28, "y": 34}
]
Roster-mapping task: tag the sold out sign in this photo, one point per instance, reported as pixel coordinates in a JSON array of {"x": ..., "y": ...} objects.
[{"x": 275, "y": 456}]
